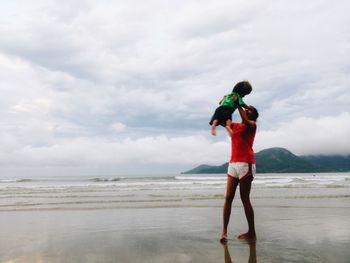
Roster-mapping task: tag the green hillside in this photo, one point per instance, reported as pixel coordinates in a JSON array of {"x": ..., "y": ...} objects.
[
  {"x": 336, "y": 163},
  {"x": 280, "y": 160}
]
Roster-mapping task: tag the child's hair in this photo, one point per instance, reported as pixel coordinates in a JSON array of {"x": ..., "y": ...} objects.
[
  {"x": 242, "y": 88},
  {"x": 255, "y": 113}
]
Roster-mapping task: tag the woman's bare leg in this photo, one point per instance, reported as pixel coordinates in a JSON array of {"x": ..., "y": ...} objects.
[
  {"x": 244, "y": 187},
  {"x": 230, "y": 194}
]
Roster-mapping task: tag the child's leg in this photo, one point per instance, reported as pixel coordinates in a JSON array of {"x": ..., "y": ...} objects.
[
  {"x": 213, "y": 127},
  {"x": 228, "y": 127}
]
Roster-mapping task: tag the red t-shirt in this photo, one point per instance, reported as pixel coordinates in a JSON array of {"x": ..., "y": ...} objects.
[{"x": 242, "y": 143}]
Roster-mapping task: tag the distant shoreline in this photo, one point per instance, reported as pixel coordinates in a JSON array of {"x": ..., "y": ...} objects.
[{"x": 281, "y": 160}]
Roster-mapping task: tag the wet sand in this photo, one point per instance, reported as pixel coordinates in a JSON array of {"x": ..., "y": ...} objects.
[{"x": 287, "y": 232}]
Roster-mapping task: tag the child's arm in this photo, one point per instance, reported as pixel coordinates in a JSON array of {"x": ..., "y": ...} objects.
[{"x": 222, "y": 99}]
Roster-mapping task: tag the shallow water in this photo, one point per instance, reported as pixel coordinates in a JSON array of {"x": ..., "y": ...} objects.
[
  {"x": 299, "y": 218},
  {"x": 57, "y": 193}
]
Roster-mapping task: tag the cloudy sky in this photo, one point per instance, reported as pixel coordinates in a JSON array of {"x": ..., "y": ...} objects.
[{"x": 115, "y": 87}]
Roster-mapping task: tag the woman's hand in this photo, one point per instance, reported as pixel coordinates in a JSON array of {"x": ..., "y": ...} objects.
[{"x": 244, "y": 116}]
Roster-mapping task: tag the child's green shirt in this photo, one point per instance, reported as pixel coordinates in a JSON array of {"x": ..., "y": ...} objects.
[{"x": 229, "y": 102}]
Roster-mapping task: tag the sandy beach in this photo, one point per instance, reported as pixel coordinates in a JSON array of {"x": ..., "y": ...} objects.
[
  {"x": 172, "y": 226},
  {"x": 285, "y": 234}
]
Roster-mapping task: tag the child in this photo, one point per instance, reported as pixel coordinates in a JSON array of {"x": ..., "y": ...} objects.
[{"x": 223, "y": 114}]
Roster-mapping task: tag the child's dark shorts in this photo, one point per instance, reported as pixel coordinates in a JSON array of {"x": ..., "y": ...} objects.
[{"x": 222, "y": 114}]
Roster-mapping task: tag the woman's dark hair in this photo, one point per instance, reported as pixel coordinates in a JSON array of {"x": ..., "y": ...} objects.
[
  {"x": 242, "y": 88},
  {"x": 255, "y": 113}
]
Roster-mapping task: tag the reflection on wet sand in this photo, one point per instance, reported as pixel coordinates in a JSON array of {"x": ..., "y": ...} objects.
[
  {"x": 252, "y": 253},
  {"x": 26, "y": 259}
]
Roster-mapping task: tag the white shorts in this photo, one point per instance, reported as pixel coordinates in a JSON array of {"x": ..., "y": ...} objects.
[{"x": 240, "y": 170}]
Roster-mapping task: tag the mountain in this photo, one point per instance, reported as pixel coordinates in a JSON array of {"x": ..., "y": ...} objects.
[
  {"x": 280, "y": 160},
  {"x": 207, "y": 169},
  {"x": 335, "y": 163}
]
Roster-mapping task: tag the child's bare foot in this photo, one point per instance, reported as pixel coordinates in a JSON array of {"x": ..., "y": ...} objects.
[
  {"x": 223, "y": 238},
  {"x": 213, "y": 130},
  {"x": 247, "y": 236}
]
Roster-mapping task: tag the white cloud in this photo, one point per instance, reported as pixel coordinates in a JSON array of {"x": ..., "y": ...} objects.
[
  {"x": 304, "y": 136},
  {"x": 87, "y": 75},
  {"x": 326, "y": 135},
  {"x": 40, "y": 105},
  {"x": 98, "y": 152},
  {"x": 118, "y": 126}
]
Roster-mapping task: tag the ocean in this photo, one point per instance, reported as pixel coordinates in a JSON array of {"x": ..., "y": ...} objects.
[
  {"x": 103, "y": 192},
  {"x": 177, "y": 218}
]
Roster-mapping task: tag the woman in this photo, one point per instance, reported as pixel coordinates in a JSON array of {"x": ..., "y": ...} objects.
[{"x": 241, "y": 170}]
